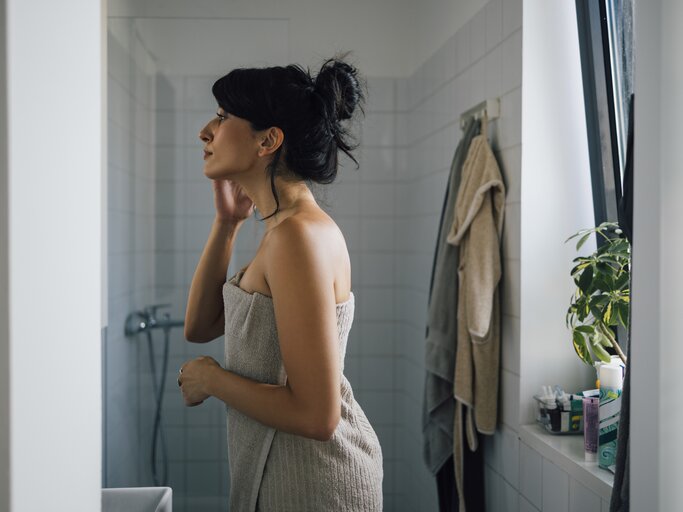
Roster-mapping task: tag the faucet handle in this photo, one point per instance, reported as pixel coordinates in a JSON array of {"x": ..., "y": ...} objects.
[{"x": 151, "y": 310}]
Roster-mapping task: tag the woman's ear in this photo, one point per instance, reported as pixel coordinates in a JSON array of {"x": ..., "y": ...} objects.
[{"x": 271, "y": 140}]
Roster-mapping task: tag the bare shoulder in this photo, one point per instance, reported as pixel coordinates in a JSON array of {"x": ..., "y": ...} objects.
[{"x": 305, "y": 250}]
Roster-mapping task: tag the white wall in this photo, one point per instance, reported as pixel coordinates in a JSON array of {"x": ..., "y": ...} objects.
[
  {"x": 557, "y": 197},
  {"x": 51, "y": 274},
  {"x": 5, "y": 439},
  {"x": 657, "y": 302},
  {"x": 390, "y": 38}
]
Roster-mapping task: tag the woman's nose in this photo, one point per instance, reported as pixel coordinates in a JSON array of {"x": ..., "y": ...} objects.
[{"x": 204, "y": 134}]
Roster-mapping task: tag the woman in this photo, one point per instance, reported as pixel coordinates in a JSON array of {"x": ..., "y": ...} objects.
[{"x": 297, "y": 438}]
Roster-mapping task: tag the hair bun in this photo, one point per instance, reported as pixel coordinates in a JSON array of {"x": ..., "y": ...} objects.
[{"x": 338, "y": 81}]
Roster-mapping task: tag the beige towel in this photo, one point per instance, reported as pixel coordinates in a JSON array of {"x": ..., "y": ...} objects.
[
  {"x": 477, "y": 229},
  {"x": 276, "y": 471}
]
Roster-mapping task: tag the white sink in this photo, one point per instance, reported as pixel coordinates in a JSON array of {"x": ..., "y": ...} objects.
[{"x": 137, "y": 499}]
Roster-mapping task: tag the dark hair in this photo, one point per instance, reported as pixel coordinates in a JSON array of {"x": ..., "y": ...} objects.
[{"x": 309, "y": 112}]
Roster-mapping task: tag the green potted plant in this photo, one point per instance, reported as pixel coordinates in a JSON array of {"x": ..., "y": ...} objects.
[{"x": 602, "y": 296}]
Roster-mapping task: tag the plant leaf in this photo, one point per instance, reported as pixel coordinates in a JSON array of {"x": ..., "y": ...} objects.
[
  {"x": 581, "y": 347},
  {"x": 602, "y": 354},
  {"x": 582, "y": 241},
  {"x": 585, "y": 280}
]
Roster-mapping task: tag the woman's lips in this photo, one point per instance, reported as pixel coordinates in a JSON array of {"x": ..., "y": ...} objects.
[{"x": 207, "y": 155}]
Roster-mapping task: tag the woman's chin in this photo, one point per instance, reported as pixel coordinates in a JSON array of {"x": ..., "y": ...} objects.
[
  {"x": 209, "y": 172},
  {"x": 217, "y": 173}
]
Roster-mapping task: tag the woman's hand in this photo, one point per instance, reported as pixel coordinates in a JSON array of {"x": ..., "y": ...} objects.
[
  {"x": 231, "y": 201},
  {"x": 194, "y": 379}
]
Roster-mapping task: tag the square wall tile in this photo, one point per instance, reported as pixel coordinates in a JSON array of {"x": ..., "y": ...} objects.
[
  {"x": 377, "y": 199},
  {"x": 169, "y": 92},
  {"x": 493, "y": 451},
  {"x": 374, "y": 304},
  {"x": 378, "y": 373},
  {"x": 378, "y": 406},
  {"x": 377, "y": 234},
  {"x": 582, "y": 499},
  {"x": 509, "y": 497},
  {"x": 510, "y": 344},
  {"x": 510, "y": 456},
  {"x": 478, "y": 35},
  {"x": 377, "y": 269},
  {"x": 510, "y": 121},
  {"x": 526, "y": 506},
  {"x": 512, "y": 62},
  {"x": 193, "y": 122},
  {"x": 510, "y": 163},
  {"x": 510, "y": 288},
  {"x": 531, "y": 474},
  {"x": 381, "y": 94},
  {"x": 378, "y": 129},
  {"x": 494, "y": 23},
  {"x": 204, "y": 443},
  {"x": 377, "y": 164},
  {"x": 512, "y": 16},
  {"x": 198, "y": 198},
  {"x": 215, "y": 503},
  {"x": 462, "y": 47},
  {"x": 493, "y": 489},
  {"x": 197, "y": 93},
  {"x": 340, "y": 199},
  {"x": 377, "y": 339},
  {"x": 555, "y": 488},
  {"x": 512, "y": 231},
  {"x": 478, "y": 87},
  {"x": 493, "y": 72},
  {"x": 509, "y": 399}
]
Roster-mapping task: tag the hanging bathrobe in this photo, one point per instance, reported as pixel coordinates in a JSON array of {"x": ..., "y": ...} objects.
[
  {"x": 477, "y": 230},
  {"x": 438, "y": 404}
]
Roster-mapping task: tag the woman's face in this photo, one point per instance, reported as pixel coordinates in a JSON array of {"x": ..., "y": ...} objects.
[{"x": 230, "y": 145}]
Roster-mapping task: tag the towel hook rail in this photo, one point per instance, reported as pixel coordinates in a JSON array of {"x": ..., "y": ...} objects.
[{"x": 491, "y": 107}]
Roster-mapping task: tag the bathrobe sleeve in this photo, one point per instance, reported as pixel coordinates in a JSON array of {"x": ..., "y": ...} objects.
[{"x": 484, "y": 267}]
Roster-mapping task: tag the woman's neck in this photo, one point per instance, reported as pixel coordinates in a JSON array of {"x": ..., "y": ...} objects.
[{"x": 291, "y": 195}]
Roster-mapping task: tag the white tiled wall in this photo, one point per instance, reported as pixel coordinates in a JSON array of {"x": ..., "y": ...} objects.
[
  {"x": 370, "y": 232},
  {"x": 184, "y": 105},
  {"x": 481, "y": 60},
  {"x": 362, "y": 203},
  {"x": 161, "y": 211},
  {"x": 131, "y": 253}
]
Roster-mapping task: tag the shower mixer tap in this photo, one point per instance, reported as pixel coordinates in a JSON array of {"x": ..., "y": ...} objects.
[{"x": 145, "y": 319}]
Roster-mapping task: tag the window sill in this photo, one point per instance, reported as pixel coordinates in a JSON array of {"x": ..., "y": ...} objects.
[{"x": 566, "y": 452}]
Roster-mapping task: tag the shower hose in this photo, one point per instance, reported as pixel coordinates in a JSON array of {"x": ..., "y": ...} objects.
[{"x": 159, "y": 394}]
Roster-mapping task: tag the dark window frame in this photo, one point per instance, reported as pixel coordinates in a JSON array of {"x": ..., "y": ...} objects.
[
  {"x": 605, "y": 126},
  {"x": 601, "y": 24}
]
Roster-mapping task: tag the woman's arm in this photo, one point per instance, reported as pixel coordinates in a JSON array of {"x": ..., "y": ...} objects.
[
  {"x": 205, "y": 316},
  {"x": 300, "y": 275}
]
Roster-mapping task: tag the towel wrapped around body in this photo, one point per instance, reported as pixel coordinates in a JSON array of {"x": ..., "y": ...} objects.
[{"x": 277, "y": 471}]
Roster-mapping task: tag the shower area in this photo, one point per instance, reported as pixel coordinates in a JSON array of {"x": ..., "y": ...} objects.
[
  {"x": 160, "y": 210},
  {"x": 162, "y": 62}
]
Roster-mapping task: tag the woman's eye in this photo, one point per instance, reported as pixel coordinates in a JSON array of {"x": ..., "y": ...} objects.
[{"x": 220, "y": 117}]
